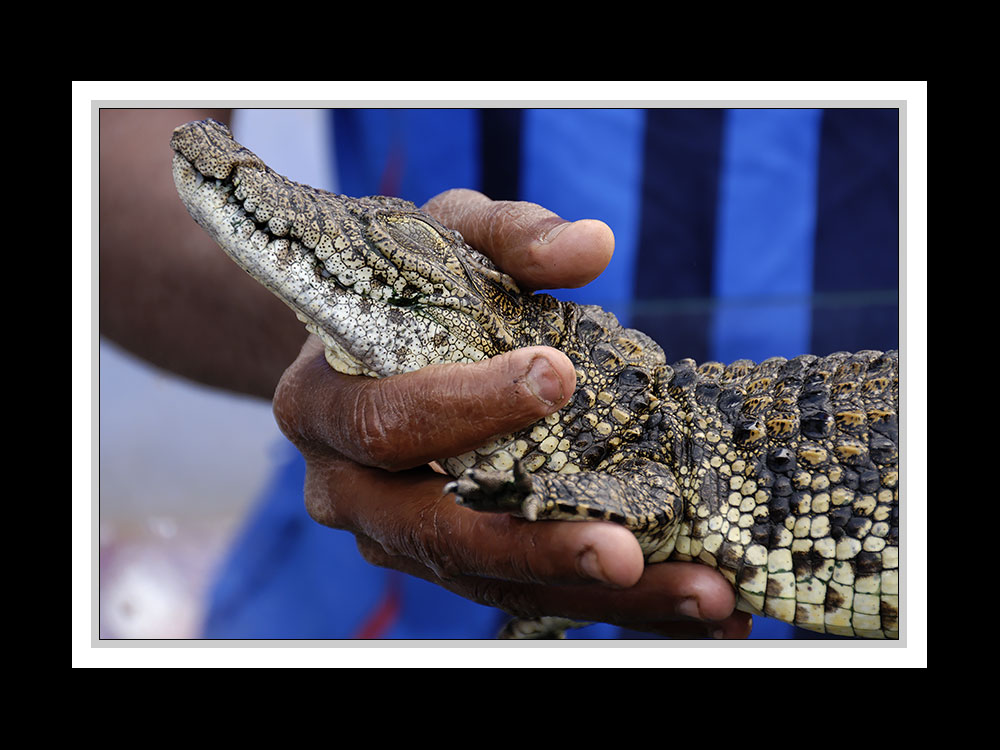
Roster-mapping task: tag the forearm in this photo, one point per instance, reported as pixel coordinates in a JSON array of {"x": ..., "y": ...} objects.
[{"x": 167, "y": 292}]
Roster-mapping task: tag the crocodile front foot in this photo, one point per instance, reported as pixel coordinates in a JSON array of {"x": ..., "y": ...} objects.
[{"x": 497, "y": 492}]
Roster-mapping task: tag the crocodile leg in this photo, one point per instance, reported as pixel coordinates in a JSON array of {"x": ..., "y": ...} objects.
[{"x": 641, "y": 495}]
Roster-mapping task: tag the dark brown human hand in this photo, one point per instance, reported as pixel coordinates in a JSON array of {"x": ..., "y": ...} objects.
[{"x": 368, "y": 444}]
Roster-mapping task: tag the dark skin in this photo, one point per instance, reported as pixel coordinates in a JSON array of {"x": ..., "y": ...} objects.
[{"x": 369, "y": 444}]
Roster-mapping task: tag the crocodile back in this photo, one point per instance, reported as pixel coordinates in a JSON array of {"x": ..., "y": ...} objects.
[{"x": 793, "y": 485}]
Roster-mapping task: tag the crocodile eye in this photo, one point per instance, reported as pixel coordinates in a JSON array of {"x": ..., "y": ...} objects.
[{"x": 411, "y": 231}]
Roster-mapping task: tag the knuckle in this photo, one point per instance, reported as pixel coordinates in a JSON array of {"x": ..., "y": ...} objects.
[
  {"x": 447, "y": 545},
  {"x": 295, "y": 398},
  {"x": 500, "y": 221},
  {"x": 454, "y": 206},
  {"x": 443, "y": 564},
  {"x": 360, "y": 417},
  {"x": 372, "y": 552},
  {"x": 523, "y": 569},
  {"x": 509, "y": 219},
  {"x": 513, "y": 599},
  {"x": 321, "y": 498},
  {"x": 431, "y": 541},
  {"x": 283, "y": 406},
  {"x": 374, "y": 416},
  {"x": 441, "y": 541}
]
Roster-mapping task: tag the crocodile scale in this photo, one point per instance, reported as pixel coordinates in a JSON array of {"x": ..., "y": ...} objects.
[{"x": 780, "y": 474}]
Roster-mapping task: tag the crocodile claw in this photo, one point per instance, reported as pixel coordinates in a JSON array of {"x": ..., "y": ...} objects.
[{"x": 497, "y": 492}]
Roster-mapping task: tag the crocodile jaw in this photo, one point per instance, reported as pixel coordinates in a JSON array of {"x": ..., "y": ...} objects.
[
  {"x": 385, "y": 286},
  {"x": 293, "y": 275},
  {"x": 356, "y": 311}
]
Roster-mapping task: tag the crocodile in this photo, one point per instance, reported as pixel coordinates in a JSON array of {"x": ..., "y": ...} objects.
[{"x": 781, "y": 474}]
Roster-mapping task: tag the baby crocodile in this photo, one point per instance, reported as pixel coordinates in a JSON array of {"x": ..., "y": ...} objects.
[{"x": 781, "y": 474}]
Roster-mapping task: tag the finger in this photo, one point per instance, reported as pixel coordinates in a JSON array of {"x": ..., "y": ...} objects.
[
  {"x": 416, "y": 417},
  {"x": 420, "y": 530},
  {"x": 680, "y": 600},
  {"x": 535, "y": 246},
  {"x": 665, "y": 593}
]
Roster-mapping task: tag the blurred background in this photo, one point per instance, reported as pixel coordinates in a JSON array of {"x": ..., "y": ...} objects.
[{"x": 180, "y": 465}]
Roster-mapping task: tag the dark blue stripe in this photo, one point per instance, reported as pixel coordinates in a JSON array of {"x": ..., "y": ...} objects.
[
  {"x": 673, "y": 287},
  {"x": 500, "y": 153},
  {"x": 857, "y": 234}
]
